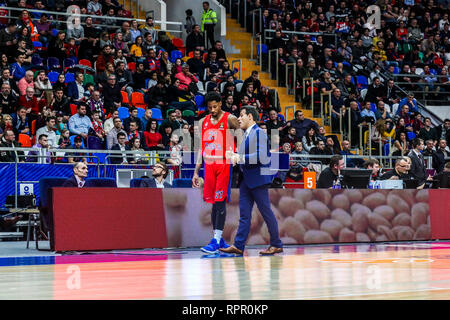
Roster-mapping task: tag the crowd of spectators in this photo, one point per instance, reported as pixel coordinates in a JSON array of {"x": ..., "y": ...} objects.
[
  {"x": 108, "y": 83},
  {"x": 359, "y": 69},
  {"x": 128, "y": 57}
]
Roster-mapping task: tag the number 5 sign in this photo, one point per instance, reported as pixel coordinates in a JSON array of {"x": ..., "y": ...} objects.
[{"x": 309, "y": 179}]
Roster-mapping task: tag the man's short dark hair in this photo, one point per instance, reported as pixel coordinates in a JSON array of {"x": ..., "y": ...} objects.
[
  {"x": 42, "y": 136},
  {"x": 251, "y": 110},
  {"x": 416, "y": 142},
  {"x": 121, "y": 134},
  {"x": 334, "y": 160},
  {"x": 20, "y": 108},
  {"x": 213, "y": 96},
  {"x": 50, "y": 118},
  {"x": 370, "y": 162}
]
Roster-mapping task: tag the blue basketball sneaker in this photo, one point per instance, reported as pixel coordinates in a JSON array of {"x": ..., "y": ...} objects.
[
  {"x": 223, "y": 244},
  {"x": 212, "y": 247}
]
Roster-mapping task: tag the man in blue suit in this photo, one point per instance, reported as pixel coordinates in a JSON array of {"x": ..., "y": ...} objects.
[{"x": 254, "y": 162}]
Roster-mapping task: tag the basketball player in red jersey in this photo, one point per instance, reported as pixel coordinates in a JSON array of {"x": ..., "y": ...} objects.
[{"x": 216, "y": 140}]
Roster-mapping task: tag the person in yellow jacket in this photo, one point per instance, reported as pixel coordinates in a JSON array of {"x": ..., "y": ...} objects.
[{"x": 209, "y": 21}]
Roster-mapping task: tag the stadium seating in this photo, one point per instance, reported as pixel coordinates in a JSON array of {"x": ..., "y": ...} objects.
[
  {"x": 156, "y": 114},
  {"x": 53, "y": 77},
  {"x": 174, "y": 55},
  {"x": 125, "y": 98},
  {"x": 73, "y": 108},
  {"x": 25, "y": 140},
  {"x": 182, "y": 183},
  {"x": 137, "y": 100},
  {"x": 123, "y": 113},
  {"x": 85, "y": 62},
  {"x": 102, "y": 182},
  {"x": 69, "y": 77}
]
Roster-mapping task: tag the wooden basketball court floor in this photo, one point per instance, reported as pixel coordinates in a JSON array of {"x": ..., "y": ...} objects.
[{"x": 413, "y": 270}]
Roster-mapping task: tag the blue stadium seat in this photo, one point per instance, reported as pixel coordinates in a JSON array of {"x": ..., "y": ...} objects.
[
  {"x": 69, "y": 77},
  {"x": 175, "y": 54},
  {"x": 37, "y": 45},
  {"x": 182, "y": 183},
  {"x": 45, "y": 183},
  {"x": 396, "y": 70},
  {"x": 346, "y": 64},
  {"x": 37, "y": 60},
  {"x": 72, "y": 140},
  {"x": 411, "y": 135},
  {"x": 68, "y": 63},
  {"x": 281, "y": 117},
  {"x": 373, "y": 107},
  {"x": 123, "y": 113},
  {"x": 199, "y": 100},
  {"x": 432, "y": 71},
  {"x": 141, "y": 113},
  {"x": 98, "y": 157},
  {"x": 262, "y": 48},
  {"x": 362, "y": 82},
  {"x": 157, "y": 114},
  {"x": 102, "y": 182},
  {"x": 53, "y": 64},
  {"x": 53, "y": 77}
]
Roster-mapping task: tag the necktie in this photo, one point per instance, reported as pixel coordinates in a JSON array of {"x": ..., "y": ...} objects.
[{"x": 80, "y": 185}]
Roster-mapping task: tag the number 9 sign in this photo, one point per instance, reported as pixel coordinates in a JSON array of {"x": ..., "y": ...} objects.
[{"x": 74, "y": 18}]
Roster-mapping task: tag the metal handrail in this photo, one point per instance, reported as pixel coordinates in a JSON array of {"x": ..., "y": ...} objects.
[
  {"x": 240, "y": 66},
  {"x": 89, "y": 15},
  {"x": 294, "y": 82},
  {"x": 254, "y": 19},
  {"x": 301, "y": 33},
  {"x": 276, "y": 63}
]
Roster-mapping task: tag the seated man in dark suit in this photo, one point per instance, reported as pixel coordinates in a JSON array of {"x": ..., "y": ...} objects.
[
  {"x": 80, "y": 172},
  {"x": 442, "y": 180},
  {"x": 159, "y": 173},
  {"x": 116, "y": 158}
]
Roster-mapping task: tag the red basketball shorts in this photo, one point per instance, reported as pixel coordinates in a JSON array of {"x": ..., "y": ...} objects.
[{"x": 217, "y": 182}]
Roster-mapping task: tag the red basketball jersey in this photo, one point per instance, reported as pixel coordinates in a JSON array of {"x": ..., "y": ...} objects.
[{"x": 216, "y": 139}]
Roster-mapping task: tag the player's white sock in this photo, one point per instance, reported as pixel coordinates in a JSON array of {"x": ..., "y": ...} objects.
[{"x": 217, "y": 235}]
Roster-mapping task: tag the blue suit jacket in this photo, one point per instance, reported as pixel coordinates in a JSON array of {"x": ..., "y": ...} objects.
[
  {"x": 256, "y": 151},
  {"x": 72, "y": 90}
]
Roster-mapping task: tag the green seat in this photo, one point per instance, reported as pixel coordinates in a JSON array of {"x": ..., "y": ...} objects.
[
  {"x": 188, "y": 113},
  {"x": 88, "y": 78},
  {"x": 167, "y": 113}
]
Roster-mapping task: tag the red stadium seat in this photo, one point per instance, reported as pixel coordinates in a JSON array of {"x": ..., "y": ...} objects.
[
  {"x": 125, "y": 99},
  {"x": 73, "y": 108},
  {"x": 178, "y": 42},
  {"x": 33, "y": 127},
  {"x": 137, "y": 100},
  {"x": 85, "y": 62},
  {"x": 25, "y": 140},
  {"x": 132, "y": 66}
]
